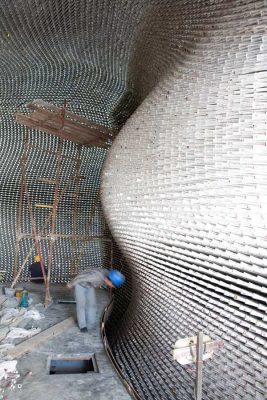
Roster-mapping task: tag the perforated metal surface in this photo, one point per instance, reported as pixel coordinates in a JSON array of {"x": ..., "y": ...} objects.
[
  {"x": 184, "y": 191},
  {"x": 184, "y": 185},
  {"x": 48, "y": 51}
]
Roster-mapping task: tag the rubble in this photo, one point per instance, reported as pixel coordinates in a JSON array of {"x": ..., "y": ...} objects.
[{"x": 16, "y": 324}]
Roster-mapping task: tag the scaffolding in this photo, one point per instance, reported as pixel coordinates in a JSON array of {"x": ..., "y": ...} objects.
[{"x": 47, "y": 230}]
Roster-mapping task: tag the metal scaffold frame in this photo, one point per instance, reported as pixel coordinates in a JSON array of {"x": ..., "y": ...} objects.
[{"x": 78, "y": 241}]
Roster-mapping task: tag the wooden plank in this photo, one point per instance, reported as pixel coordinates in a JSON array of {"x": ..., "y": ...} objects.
[
  {"x": 55, "y": 120},
  {"x": 73, "y": 136},
  {"x": 46, "y": 118},
  {"x": 31, "y": 123},
  {"x": 44, "y": 205},
  {"x": 36, "y": 340},
  {"x": 49, "y": 118},
  {"x": 50, "y": 127},
  {"x": 38, "y": 103}
]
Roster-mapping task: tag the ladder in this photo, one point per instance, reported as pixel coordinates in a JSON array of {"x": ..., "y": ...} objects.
[
  {"x": 46, "y": 231},
  {"x": 58, "y": 188}
]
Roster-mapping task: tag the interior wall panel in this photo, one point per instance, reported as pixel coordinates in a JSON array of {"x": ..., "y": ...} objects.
[
  {"x": 184, "y": 192},
  {"x": 184, "y": 184}
]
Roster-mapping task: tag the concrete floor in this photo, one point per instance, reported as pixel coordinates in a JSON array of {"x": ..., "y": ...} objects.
[{"x": 41, "y": 386}]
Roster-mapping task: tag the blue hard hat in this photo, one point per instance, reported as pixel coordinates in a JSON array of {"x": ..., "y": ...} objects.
[{"x": 116, "y": 278}]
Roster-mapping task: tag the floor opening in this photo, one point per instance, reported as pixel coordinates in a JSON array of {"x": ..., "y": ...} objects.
[{"x": 72, "y": 364}]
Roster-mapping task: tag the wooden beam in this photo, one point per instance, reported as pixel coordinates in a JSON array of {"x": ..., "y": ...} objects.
[
  {"x": 48, "y": 118},
  {"x": 38, "y": 103},
  {"x": 74, "y": 137},
  {"x": 55, "y": 119},
  {"x": 44, "y": 205},
  {"x": 36, "y": 340}
]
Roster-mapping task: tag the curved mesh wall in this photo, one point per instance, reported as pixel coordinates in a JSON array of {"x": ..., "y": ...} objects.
[
  {"x": 184, "y": 184},
  {"x": 57, "y": 51},
  {"x": 184, "y": 191}
]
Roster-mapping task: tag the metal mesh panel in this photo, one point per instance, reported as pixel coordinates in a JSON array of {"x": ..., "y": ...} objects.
[
  {"x": 187, "y": 201},
  {"x": 47, "y": 52},
  {"x": 184, "y": 185}
]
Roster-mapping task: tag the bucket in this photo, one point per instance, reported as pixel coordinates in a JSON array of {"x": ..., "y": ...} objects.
[
  {"x": 24, "y": 300},
  {"x": 19, "y": 293},
  {"x": 9, "y": 292}
]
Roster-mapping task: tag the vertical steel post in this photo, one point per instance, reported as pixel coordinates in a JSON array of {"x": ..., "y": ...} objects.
[{"x": 199, "y": 362}]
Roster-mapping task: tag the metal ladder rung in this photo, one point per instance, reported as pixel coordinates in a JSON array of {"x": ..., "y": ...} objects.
[{"x": 44, "y": 206}]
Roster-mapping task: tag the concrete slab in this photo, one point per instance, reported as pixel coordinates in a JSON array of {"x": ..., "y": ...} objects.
[{"x": 39, "y": 385}]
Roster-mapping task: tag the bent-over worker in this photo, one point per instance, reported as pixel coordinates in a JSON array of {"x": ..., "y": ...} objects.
[{"x": 84, "y": 285}]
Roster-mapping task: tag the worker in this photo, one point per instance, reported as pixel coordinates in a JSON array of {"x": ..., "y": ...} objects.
[
  {"x": 84, "y": 285},
  {"x": 36, "y": 270}
]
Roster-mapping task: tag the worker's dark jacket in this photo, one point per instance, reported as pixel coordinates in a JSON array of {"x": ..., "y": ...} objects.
[{"x": 36, "y": 272}]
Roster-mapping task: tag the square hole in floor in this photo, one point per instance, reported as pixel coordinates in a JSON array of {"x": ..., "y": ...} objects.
[{"x": 72, "y": 364}]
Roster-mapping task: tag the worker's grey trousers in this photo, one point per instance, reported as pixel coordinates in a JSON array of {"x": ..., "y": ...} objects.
[{"x": 85, "y": 306}]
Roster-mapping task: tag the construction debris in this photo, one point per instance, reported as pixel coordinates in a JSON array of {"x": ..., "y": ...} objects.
[
  {"x": 7, "y": 367},
  {"x": 35, "y": 341},
  {"x": 8, "y": 376},
  {"x": 3, "y": 332},
  {"x": 10, "y": 314},
  {"x": 16, "y": 324},
  {"x": 21, "y": 333},
  {"x": 4, "y": 348}
]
